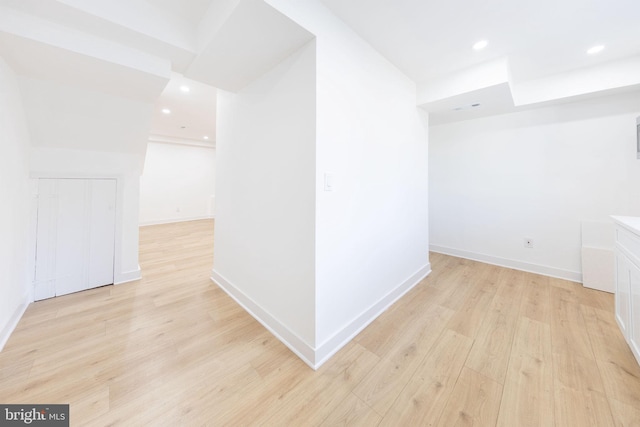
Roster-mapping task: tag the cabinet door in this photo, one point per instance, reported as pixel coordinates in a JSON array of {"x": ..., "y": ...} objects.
[
  {"x": 622, "y": 295},
  {"x": 75, "y": 235},
  {"x": 44, "y": 282},
  {"x": 70, "y": 250},
  {"x": 101, "y": 231},
  {"x": 634, "y": 332}
]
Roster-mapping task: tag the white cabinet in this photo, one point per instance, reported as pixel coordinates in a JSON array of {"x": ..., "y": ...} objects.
[
  {"x": 75, "y": 235},
  {"x": 634, "y": 332},
  {"x": 622, "y": 295},
  {"x": 627, "y": 278}
]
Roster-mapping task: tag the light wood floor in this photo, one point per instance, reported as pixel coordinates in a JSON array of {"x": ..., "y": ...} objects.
[{"x": 473, "y": 344}]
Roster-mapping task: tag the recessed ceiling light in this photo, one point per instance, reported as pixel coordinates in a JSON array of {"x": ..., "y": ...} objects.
[
  {"x": 480, "y": 45},
  {"x": 166, "y": 111},
  {"x": 184, "y": 88},
  {"x": 206, "y": 137},
  {"x": 595, "y": 49}
]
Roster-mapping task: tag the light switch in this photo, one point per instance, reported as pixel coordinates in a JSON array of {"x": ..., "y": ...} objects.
[{"x": 328, "y": 181}]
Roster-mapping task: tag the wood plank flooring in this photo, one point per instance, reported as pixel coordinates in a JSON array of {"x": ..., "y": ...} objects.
[{"x": 472, "y": 344}]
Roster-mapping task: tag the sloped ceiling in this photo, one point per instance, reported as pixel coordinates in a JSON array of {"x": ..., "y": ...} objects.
[
  {"x": 254, "y": 38},
  {"x": 143, "y": 51},
  {"x": 134, "y": 48}
]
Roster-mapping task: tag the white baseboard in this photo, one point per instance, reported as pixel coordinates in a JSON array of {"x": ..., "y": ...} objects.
[
  {"x": 127, "y": 276},
  {"x": 304, "y": 351},
  {"x": 8, "y": 329},
  {"x": 174, "y": 220},
  {"x": 315, "y": 357},
  {"x": 573, "y": 276},
  {"x": 341, "y": 338}
]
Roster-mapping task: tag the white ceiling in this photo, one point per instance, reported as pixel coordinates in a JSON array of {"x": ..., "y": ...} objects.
[
  {"x": 253, "y": 39},
  {"x": 129, "y": 48},
  {"x": 190, "y": 11},
  {"x": 192, "y": 116},
  {"x": 431, "y": 38}
]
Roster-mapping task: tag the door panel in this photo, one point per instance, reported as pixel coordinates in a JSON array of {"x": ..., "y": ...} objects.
[
  {"x": 75, "y": 235},
  {"x": 622, "y": 295},
  {"x": 44, "y": 286},
  {"x": 71, "y": 256},
  {"x": 633, "y": 327},
  {"x": 102, "y": 228}
]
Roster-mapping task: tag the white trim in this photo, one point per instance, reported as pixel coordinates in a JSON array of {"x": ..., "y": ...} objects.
[
  {"x": 573, "y": 276},
  {"x": 13, "y": 322},
  {"x": 127, "y": 276},
  {"x": 174, "y": 220},
  {"x": 315, "y": 357},
  {"x": 303, "y": 350},
  {"x": 182, "y": 141},
  {"x": 341, "y": 338}
]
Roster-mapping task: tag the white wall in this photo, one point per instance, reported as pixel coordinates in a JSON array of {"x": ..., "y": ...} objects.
[
  {"x": 316, "y": 267},
  {"x": 126, "y": 169},
  {"x": 372, "y": 231},
  {"x": 265, "y": 180},
  {"x": 177, "y": 184},
  {"x": 537, "y": 174},
  {"x": 14, "y": 209},
  {"x": 61, "y": 116}
]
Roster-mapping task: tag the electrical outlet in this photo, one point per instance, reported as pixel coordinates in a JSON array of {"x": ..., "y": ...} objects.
[{"x": 528, "y": 243}]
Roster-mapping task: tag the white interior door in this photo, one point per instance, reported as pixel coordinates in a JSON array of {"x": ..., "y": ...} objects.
[
  {"x": 102, "y": 231},
  {"x": 47, "y": 217},
  {"x": 71, "y": 234},
  {"x": 75, "y": 235}
]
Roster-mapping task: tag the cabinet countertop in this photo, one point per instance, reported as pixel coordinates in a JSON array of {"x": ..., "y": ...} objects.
[{"x": 631, "y": 223}]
